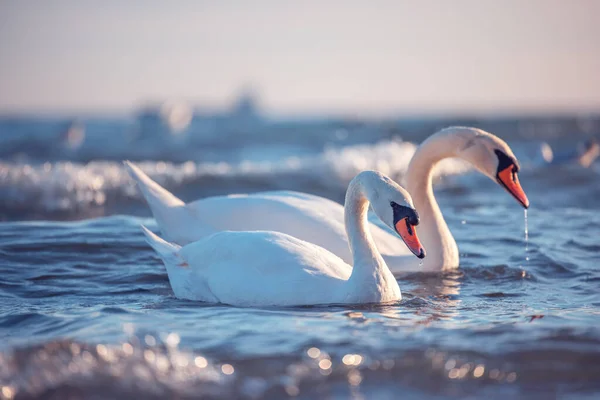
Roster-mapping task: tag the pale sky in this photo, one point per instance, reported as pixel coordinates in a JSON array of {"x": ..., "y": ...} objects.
[{"x": 364, "y": 57}]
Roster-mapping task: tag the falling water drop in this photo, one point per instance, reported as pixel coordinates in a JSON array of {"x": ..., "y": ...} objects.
[{"x": 526, "y": 236}]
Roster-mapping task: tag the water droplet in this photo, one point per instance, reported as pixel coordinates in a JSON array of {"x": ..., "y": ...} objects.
[
  {"x": 526, "y": 228},
  {"x": 526, "y": 236}
]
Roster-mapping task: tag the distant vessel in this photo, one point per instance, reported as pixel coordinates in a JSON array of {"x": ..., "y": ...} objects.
[
  {"x": 178, "y": 121},
  {"x": 585, "y": 153},
  {"x": 74, "y": 136},
  {"x": 245, "y": 108},
  {"x": 170, "y": 117}
]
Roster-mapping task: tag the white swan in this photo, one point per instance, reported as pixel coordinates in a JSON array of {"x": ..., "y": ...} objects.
[
  {"x": 320, "y": 221},
  {"x": 263, "y": 268}
]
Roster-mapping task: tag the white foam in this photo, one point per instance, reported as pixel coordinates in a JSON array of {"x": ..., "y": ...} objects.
[{"x": 65, "y": 187}]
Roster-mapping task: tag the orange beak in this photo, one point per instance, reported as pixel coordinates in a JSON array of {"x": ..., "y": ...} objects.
[
  {"x": 509, "y": 178},
  {"x": 408, "y": 233}
]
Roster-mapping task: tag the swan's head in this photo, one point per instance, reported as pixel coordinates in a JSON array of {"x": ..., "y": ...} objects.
[
  {"x": 393, "y": 205},
  {"x": 495, "y": 159}
]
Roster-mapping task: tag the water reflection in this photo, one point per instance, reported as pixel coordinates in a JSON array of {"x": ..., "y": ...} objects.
[
  {"x": 438, "y": 295},
  {"x": 427, "y": 298}
]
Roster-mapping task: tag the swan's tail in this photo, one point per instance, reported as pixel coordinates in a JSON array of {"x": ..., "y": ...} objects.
[
  {"x": 167, "y": 209},
  {"x": 168, "y": 252}
]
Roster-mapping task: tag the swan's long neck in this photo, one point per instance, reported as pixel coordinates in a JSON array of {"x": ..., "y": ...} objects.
[
  {"x": 437, "y": 239},
  {"x": 369, "y": 270}
]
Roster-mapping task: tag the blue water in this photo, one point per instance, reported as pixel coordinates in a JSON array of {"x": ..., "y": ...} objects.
[{"x": 86, "y": 310}]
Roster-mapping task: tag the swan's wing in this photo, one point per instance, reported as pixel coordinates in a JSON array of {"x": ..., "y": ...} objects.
[
  {"x": 304, "y": 216},
  {"x": 331, "y": 214},
  {"x": 174, "y": 219},
  {"x": 307, "y": 217},
  {"x": 310, "y": 218},
  {"x": 266, "y": 268}
]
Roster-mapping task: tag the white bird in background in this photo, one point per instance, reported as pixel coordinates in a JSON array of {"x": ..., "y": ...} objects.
[
  {"x": 321, "y": 221},
  {"x": 262, "y": 268}
]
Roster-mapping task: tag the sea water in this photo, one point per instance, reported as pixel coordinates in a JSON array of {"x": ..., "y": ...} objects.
[{"x": 86, "y": 309}]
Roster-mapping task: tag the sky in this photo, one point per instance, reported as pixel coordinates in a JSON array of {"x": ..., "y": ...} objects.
[{"x": 364, "y": 57}]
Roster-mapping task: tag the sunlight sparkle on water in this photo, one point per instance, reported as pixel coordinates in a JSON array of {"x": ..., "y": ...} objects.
[
  {"x": 352, "y": 359},
  {"x": 227, "y": 369},
  {"x": 8, "y": 392},
  {"x": 173, "y": 339},
  {"x": 127, "y": 349},
  {"x": 128, "y": 328},
  {"x": 354, "y": 377},
  {"x": 325, "y": 363},
  {"x": 313, "y": 352},
  {"x": 478, "y": 371},
  {"x": 150, "y": 340},
  {"x": 200, "y": 362}
]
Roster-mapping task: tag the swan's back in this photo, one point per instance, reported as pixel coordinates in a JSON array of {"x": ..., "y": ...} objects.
[
  {"x": 263, "y": 268},
  {"x": 311, "y": 218},
  {"x": 304, "y": 216}
]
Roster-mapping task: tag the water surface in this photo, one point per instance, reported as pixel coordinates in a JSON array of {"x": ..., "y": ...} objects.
[{"x": 87, "y": 310}]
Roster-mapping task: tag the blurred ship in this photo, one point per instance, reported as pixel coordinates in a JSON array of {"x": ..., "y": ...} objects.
[
  {"x": 180, "y": 122},
  {"x": 168, "y": 118},
  {"x": 584, "y": 154},
  {"x": 73, "y": 135}
]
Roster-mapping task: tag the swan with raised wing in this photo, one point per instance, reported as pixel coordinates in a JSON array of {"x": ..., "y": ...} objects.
[
  {"x": 321, "y": 221},
  {"x": 262, "y": 268}
]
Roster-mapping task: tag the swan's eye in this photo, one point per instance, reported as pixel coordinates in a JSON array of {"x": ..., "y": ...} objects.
[
  {"x": 404, "y": 212},
  {"x": 505, "y": 162}
]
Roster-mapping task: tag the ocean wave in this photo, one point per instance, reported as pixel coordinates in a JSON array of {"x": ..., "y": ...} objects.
[
  {"x": 83, "y": 190},
  {"x": 155, "y": 367}
]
